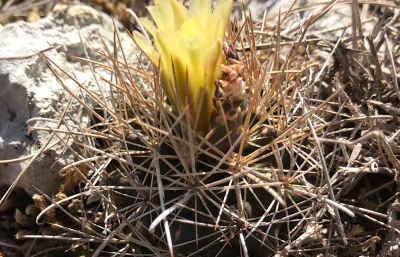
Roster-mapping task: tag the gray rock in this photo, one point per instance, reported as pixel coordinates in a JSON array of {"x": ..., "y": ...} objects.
[
  {"x": 29, "y": 89},
  {"x": 339, "y": 16}
]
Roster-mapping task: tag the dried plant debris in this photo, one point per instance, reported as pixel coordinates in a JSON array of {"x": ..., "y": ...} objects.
[
  {"x": 13, "y": 10},
  {"x": 301, "y": 158},
  {"x": 31, "y": 11}
]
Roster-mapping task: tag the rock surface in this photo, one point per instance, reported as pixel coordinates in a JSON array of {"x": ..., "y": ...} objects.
[
  {"x": 337, "y": 17},
  {"x": 28, "y": 89}
]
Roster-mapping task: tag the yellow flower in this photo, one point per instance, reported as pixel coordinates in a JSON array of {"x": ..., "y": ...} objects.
[{"x": 188, "y": 47}]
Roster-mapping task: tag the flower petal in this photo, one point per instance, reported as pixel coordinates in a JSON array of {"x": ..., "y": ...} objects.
[
  {"x": 179, "y": 13},
  {"x": 144, "y": 44},
  {"x": 221, "y": 14},
  {"x": 148, "y": 25},
  {"x": 200, "y": 7}
]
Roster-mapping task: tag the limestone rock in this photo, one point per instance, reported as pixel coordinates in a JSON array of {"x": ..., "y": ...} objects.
[{"x": 28, "y": 89}]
